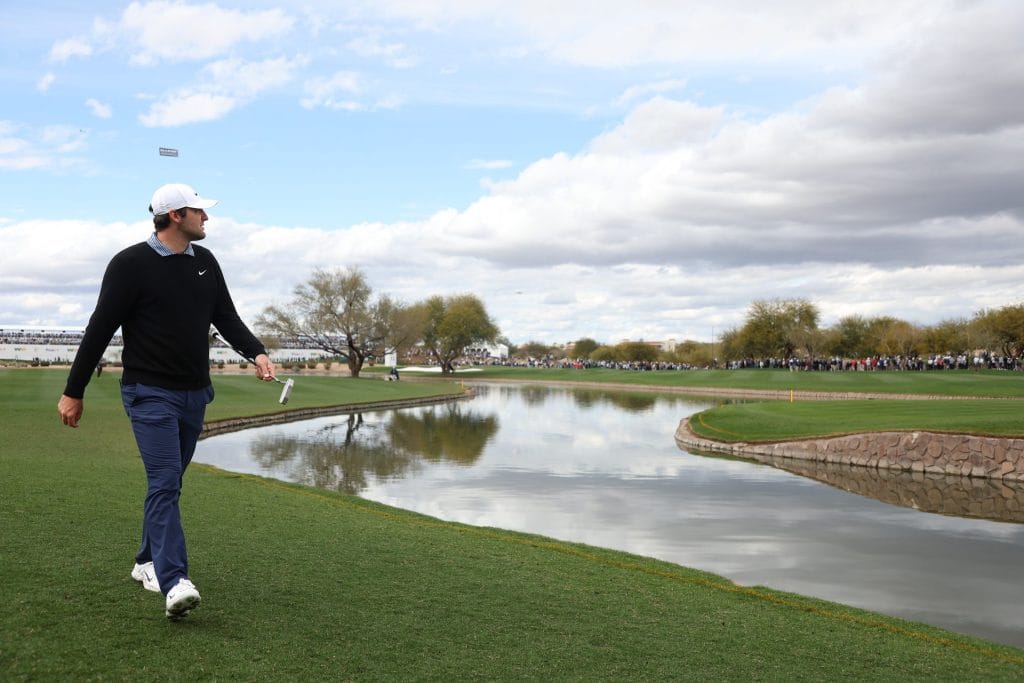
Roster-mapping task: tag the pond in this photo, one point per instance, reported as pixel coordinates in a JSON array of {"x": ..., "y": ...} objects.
[{"x": 603, "y": 468}]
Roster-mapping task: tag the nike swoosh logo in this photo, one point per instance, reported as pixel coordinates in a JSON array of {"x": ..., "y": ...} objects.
[{"x": 203, "y": 272}]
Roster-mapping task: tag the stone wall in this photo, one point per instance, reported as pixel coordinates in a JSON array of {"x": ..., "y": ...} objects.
[
  {"x": 923, "y": 452},
  {"x": 947, "y": 474}
]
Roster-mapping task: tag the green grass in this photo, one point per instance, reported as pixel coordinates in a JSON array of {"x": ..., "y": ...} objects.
[
  {"x": 766, "y": 421},
  {"x": 304, "y": 584},
  {"x": 967, "y": 383},
  {"x": 244, "y": 395}
]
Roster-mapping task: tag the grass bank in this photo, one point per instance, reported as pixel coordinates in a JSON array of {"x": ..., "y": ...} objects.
[
  {"x": 768, "y": 421},
  {"x": 966, "y": 383},
  {"x": 304, "y": 584}
]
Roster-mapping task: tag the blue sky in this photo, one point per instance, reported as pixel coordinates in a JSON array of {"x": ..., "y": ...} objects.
[{"x": 592, "y": 169}]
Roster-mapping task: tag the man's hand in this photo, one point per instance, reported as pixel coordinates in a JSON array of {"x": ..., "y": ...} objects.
[
  {"x": 264, "y": 368},
  {"x": 70, "y": 410}
]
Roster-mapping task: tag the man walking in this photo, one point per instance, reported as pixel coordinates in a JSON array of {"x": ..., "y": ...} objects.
[{"x": 164, "y": 294}]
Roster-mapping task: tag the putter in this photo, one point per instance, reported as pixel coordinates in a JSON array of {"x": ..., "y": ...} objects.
[{"x": 286, "y": 390}]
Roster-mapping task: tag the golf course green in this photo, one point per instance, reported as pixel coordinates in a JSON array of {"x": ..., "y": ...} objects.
[{"x": 307, "y": 584}]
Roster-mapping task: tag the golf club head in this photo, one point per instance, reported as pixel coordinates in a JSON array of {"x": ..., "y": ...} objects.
[{"x": 286, "y": 391}]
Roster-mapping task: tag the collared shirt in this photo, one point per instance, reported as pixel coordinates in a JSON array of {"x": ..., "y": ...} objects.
[{"x": 161, "y": 248}]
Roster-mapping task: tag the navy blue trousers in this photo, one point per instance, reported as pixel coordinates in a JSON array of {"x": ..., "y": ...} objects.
[{"x": 167, "y": 424}]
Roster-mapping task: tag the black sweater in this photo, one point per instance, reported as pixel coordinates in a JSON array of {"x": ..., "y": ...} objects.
[{"x": 164, "y": 306}]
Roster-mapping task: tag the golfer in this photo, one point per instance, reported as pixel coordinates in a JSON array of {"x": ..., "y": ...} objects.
[{"x": 164, "y": 294}]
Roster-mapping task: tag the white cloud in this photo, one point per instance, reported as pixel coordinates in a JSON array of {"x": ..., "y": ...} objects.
[
  {"x": 40, "y": 147},
  {"x": 99, "y": 109},
  {"x": 333, "y": 92},
  {"x": 640, "y": 91},
  {"x": 45, "y": 82},
  {"x": 28, "y": 271},
  {"x": 679, "y": 183},
  {"x": 226, "y": 85},
  {"x": 247, "y": 79},
  {"x": 62, "y": 139},
  {"x": 661, "y": 125},
  {"x": 178, "y": 31},
  {"x": 63, "y": 50},
  {"x": 182, "y": 108},
  {"x": 554, "y": 303},
  {"x": 608, "y": 33},
  {"x": 392, "y": 53},
  {"x": 175, "y": 31}
]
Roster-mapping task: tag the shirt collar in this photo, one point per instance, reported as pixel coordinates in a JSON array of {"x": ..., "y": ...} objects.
[{"x": 161, "y": 248}]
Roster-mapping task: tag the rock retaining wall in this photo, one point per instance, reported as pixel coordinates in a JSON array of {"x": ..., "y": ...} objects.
[{"x": 924, "y": 452}]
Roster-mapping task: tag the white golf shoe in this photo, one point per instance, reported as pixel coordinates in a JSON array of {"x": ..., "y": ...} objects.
[
  {"x": 181, "y": 599},
  {"x": 146, "y": 574}
]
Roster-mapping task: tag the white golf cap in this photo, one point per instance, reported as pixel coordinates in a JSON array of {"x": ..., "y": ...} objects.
[{"x": 174, "y": 196}]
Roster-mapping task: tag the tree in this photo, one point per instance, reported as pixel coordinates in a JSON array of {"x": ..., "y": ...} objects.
[
  {"x": 636, "y": 352},
  {"x": 900, "y": 339},
  {"x": 582, "y": 348},
  {"x": 536, "y": 350},
  {"x": 402, "y": 325},
  {"x": 333, "y": 311},
  {"x": 778, "y": 328},
  {"x": 452, "y": 324},
  {"x": 851, "y": 337},
  {"x": 603, "y": 354},
  {"x": 690, "y": 352},
  {"x": 1005, "y": 326},
  {"x": 950, "y": 336},
  {"x": 812, "y": 341},
  {"x": 730, "y": 346}
]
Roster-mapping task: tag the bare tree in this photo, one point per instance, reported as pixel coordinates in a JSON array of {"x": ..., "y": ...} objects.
[{"x": 334, "y": 312}]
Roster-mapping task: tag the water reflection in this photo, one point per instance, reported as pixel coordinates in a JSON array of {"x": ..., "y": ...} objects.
[
  {"x": 634, "y": 403},
  {"x": 346, "y": 452},
  {"x": 930, "y": 492},
  {"x": 603, "y": 468},
  {"x": 631, "y": 401},
  {"x": 447, "y": 433}
]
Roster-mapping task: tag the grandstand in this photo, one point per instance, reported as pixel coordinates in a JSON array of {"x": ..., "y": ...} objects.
[{"x": 59, "y": 345}]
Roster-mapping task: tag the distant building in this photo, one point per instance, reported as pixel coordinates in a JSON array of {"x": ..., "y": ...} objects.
[
  {"x": 487, "y": 350},
  {"x": 59, "y": 345},
  {"x": 667, "y": 345}
]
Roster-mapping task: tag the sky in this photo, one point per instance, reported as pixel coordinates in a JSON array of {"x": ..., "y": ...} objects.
[{"x": 599, "y": 169}]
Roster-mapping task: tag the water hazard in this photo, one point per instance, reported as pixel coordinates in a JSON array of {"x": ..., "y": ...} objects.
[{"x": 603, "y": 468}]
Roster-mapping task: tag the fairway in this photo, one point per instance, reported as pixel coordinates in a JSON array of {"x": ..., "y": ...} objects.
[
  {"x": 306, "y": 584},
  {"x": 966, "y": 383}
]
